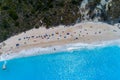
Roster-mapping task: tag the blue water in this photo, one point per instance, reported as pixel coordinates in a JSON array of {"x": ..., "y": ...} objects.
[{"x": 94, "y": 64}]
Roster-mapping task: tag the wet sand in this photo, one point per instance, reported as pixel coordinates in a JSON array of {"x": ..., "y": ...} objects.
[{"x": 88, "y": 32}]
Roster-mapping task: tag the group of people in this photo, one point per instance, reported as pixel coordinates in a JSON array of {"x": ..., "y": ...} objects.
[{"x": 59, "y": 35}]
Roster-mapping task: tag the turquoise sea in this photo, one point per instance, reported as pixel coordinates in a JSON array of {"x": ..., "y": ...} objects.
[{"x": 100, "y": 63}]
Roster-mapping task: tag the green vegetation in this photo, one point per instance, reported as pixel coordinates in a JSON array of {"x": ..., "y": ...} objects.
[
  {"x": 20, "y": 15},
  {"x": 114, "y": 10}
]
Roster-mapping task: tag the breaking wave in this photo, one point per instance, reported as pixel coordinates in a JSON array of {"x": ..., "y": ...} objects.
[{"x": 53, "y": 49}]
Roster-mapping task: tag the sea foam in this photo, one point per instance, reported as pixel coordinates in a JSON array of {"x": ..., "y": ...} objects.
[{"x": 60, "y": 48}]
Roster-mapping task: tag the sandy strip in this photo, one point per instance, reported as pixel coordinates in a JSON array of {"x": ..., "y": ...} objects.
[{"x": 88, "y": 33}]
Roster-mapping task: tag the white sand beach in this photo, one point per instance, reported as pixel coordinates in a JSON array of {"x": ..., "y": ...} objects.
[{"x": 88, "y": 32}]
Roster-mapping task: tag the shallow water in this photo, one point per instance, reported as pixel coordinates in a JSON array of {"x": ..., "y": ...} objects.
[{"x": 85, "y": 64}]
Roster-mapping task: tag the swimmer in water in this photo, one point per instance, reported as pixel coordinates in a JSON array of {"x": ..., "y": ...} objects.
[{"x": 4, "y": 66}]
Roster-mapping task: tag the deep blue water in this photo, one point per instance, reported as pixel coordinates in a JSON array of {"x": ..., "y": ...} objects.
[{"x": 94, "y": 64}]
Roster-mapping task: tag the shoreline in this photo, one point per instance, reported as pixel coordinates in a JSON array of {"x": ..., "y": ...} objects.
[
  {"x": 87, "y": 33},
  {"x": 58, "y": 48}
]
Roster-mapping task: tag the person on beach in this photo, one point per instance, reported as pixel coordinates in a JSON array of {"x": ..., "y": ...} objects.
[{"x": 54, "y": 49}]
